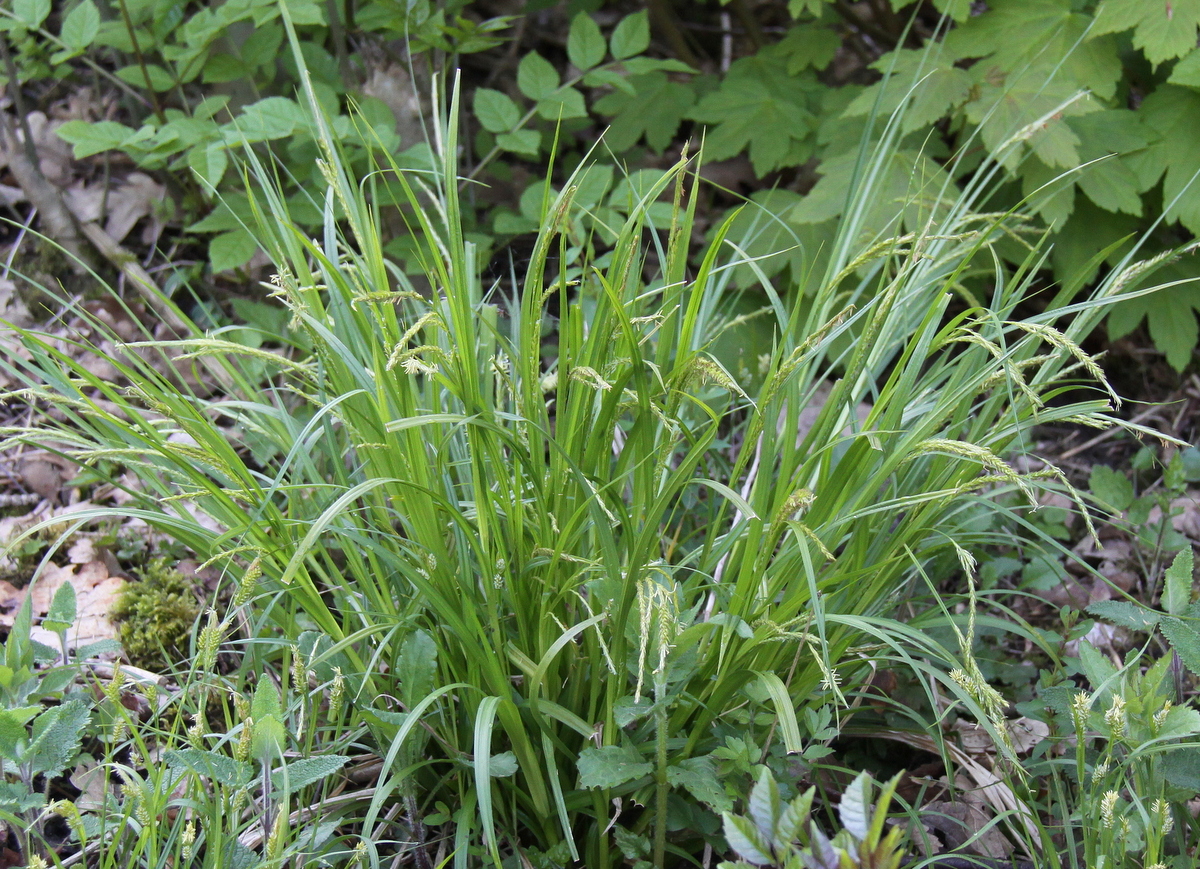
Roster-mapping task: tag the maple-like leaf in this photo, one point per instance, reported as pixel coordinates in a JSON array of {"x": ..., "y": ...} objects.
[
  {"x": 655, "y": 111},
  {"x": 1029, "y": 107},
  {"x": 927, "y": 78},
  {"x": 1174, "y": 114},
  {"x": 910, "y": 185},
  {"x": 1018, "y": 34},
  {"x": 759, "y": 106},
  {"x": 1162, "y": 29}
]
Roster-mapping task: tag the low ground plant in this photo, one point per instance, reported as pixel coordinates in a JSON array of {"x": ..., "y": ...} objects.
[{"x": 572, "y": 580}]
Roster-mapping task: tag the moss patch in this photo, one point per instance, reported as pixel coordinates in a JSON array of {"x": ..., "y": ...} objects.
[{"x": 155, "y": 617}]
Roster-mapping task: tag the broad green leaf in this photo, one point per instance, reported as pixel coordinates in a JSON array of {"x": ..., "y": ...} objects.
[
  {"x": 209, "y": 162},
  {"x": 149, "y": 75},
  {"x": 631, "y": 36},
  {"x": 1016, "y": 34},
  {"x": 55, "y": 737},
  {"x": 1181, "y": 722},
  {"x": 18, "y": 798},
  {"x": 502, "y": 765},
  {"x": 495, "y": 110},
  {"x": 301, "y": 773},
  {"x": 1162, "y": 29},
  {"x": 585, "y": 43},
  {"x": 909, "y": 185},
  {"x": 765, "y": 804},
  {"x": 536, "y": 77},
  {"x": 93, "y": 138},
  {"x": 1111, "y": 487},
  {"x": 520, "y": 142},
  {"x": 1100, "y": 672},
  {"x": 269, "y": 738},
  {"x": 698, "y": 777},
  {"x": 746, "y": 841},
  {"x": 562, "y": 104},
  {"x": 62, "y": 609},
  {"x": 854, "y": 810},
  {"x": 417, "y": 667},
  {"x": 1184, "y": 641},
  {"x": 1174, "y": 114},
  {"x": 1177, "y": 585},
  {"x": 13, "y": 733},
  {"x": 266, "y": 700},
  {"x": 80, "y": 26},
  {"x": 760, "y": 107},
  {"x": 927, "y": 78},
  {"x": 1170, "y": 314},
  {"x": 31, "y": 13},
  {"x": 270, "y": 118},
  {"x": 1187, "y": 71},
  {"x": 1125, "y": 614},
  {"x": 611, "y": 766},
  {"x": 1028, "y": 107},
  {"x": 231, "y": 249},
  {"x": 219, "y": 767},
  {"x": 654, "y": 111},
  {"x": 809, "y": 47}
]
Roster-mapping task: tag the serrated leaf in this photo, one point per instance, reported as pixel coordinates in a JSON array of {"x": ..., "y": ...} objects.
[
  {"x": 521, "y": 142},
  {"x": 698, "y": 777},
  {"x": 218, "y": 767},
  {"x": 1177, "y": 588},
  {"x": 926, "y": 78},
  {"x": 269, "y": 738},
  {"x": 1181, "y": 722},
  {"x": 1015, "y": 34},
  {"x": 149, "y": 75},
  {"x": 270, "y": 118},
  {"x": 92, "y": 138},
  {"x": 585, "y": 43},
  {"x": 230, "y": 250},
  {"x": 266, "y": 700},
  {"x": 1125, "y": 614},
  {"x": 1111, "y": 487},
  {"x": 80, "y": 26},
  {"x": 18, "y": 798},
  {"x": 55, "y": 737},
  {"x": 31, "y": 13},
  {"x": 765, "y": 804},
  {"x": 854, "y": 810},
  {"x": 611, "y": 766},
  {"x": 1174, "y": 114},
  {"x": 502, "y": 765},
  {"x": 301, "y": 773},
  {"x": 536, "y": 77},
  {"x": 746, "y": 841},
  {"x": 564, "y": 103},
  {"x": 795, "y": 815},
  {"x": 654, "y": 111},
  {"x": 62, "y": 609},
  {"x": 495, "y": 110},
  {"x": 417, "y": 667},
  {"x": 210, "y": 162},
  {"x": 759, "y": 107},
  {"x": 1163, "y": 29},
  {"x": 1187, "y": 71},
  {"x": 631, "y": 36},
  {"x": 1184, "y": 641}
]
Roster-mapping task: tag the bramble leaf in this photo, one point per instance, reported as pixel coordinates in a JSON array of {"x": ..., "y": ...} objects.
[
  {"x": 495, "y": 110},
  {"x": 1163, "y": 30},
  {"x": 631, "y": 36},
  {"x": 611, "y": 766}
]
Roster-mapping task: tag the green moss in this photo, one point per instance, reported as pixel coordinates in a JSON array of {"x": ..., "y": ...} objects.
[{"x": 155, "y": 615}]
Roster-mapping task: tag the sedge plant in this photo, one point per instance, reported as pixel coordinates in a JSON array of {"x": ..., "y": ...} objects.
[{"x": 604, "y": 546}]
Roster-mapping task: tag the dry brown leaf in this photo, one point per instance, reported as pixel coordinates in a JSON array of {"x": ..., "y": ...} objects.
[
  {"x": 962, "y": 826},
  {"x": 139, "y": 196},
  {"x": 96, "y": 591}
]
